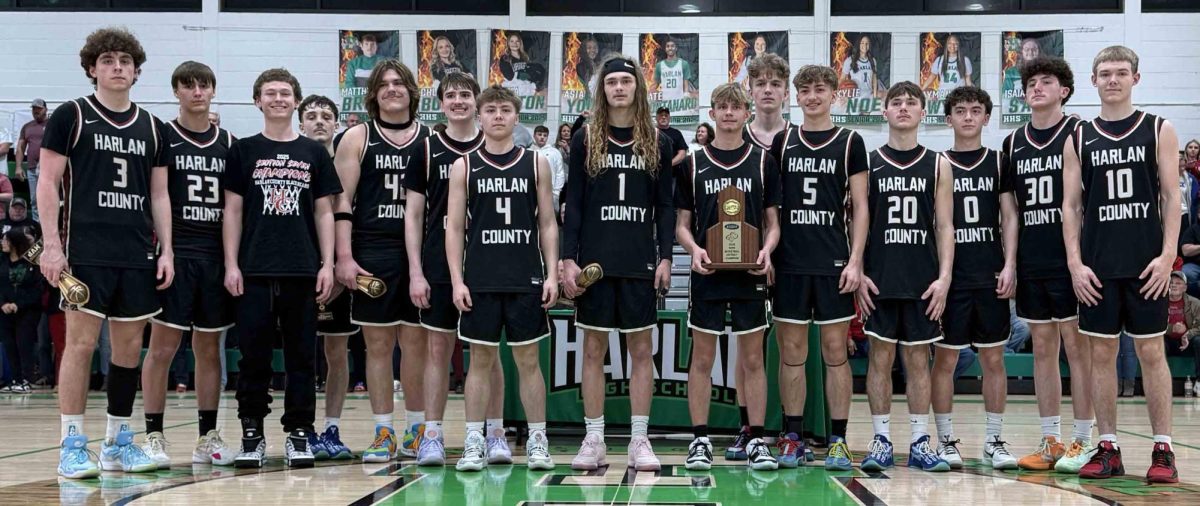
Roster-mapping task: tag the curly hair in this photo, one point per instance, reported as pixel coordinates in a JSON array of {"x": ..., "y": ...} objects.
[
  {"x": 109, "y": 40},
  {"x": 1051, "y": 66},
  {"x": 967, "y": 94},
  {"x": 375, "y": 81},
  {"x": 645, "y": 135}
]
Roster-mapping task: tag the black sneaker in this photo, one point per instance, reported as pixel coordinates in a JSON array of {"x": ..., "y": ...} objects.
[
  {"x": 254, "y": 453},
  {"x": 296, "y": 449},
  {"x": 699, "y": 455},
  {"x": 758, "y": 456}
]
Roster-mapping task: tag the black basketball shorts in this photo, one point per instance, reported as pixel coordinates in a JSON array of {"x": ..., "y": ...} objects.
[
  {"x": 622, "y": 304},
  {"x": 974, "y": 317},
  {"x": 394, "y": 307},
  {"x": 519, "y": 315},
  {"x": 333, "y": 319},
  {"x": 442, "y": 314},
  {"x": 118, "y": 293},
  {"x": 197, "y": 299},
  {"x": 1046, "y": 300},
  {"x": 1123, "y": 309},
  {"x": 745, "y": 315},
  {"x": 902, "y": 321},
  {"x": 804, "y": 299}
]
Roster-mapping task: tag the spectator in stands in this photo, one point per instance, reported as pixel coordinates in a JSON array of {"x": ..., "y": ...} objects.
[
  {"x": 1189, "y": 250},
  {"x": 18, "y": 216},
  {"x": 1127, "y": 363},
  {"x": 1186, "y": 183},
  {"x": 6, "y": 187},
  {"x": 1183, "y": 322},
  {"x": 1190, "y": 163},
  {"x": 214, "y": 118},
  {"x": 558, "y": 167},
  {"x": 662, "y": 119},
  {"x": 21, "y": 288},
  {"x": 29, "y": 149},
  {"x": 858, "y": 346},
  {"x": 1019, "y": 334},
  {"x": 704, "y": 133},
  {"x": 563, "y": 142}
]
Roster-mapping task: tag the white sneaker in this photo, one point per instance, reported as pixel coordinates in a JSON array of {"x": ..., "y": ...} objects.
[
  {"x": 758, "y": 456},
  {"x": 155, "y": 447},
  {"x": 474, "y": 457},
  {"x": 948, "y": 451},
  {"x": 498, "y": 451},
  {"x": 699, "y": 456},
  {"x": 591, "y": 454},
  {"x": 641, "y": 455},
  {"x": 996, "y": 455},
  {"x": 295, "y": 449},
  {"x": 537, "y": 452},
  {"x": 211, "y": 449}
]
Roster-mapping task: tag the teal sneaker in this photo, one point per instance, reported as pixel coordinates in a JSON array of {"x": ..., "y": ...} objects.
[
  {"x": 383, "y": 449},
  {"x": 412, "y": 440},
  {"x": 75, "y": 460},
  {"x": 121, "y": 454}
]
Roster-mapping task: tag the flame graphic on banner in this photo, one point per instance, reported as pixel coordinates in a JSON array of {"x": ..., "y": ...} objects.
[
  {"x": 425, "y": 59},
  {"x": 737, "y": 55},
  {"x": 929, "y": 48},
  {"x": 570, "y": 79},
  {"x": 348, "y": 53},
  {"x": 649, "y": 58},
  {"x": 841, "y": 50},
  {"x": 499, "y": 46},
  {"x": 1012, "y": 50}
]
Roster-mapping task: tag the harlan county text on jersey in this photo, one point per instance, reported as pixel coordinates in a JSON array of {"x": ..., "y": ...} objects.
[
  {"x": 1121, "y": 158},
  {"x": 892, "y": 184},
  {"x": 504, "y": 205},
  {"x": 1040, "y": 189},
  {"x": 800, "y": 164},
  {"x": 125, "y": 146},
  {"x": 635, "y": 214}
]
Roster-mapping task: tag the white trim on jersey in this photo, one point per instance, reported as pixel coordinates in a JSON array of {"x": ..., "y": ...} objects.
[
  {"x": 837, "y": 131},
  {"x": 1108, "y": 336},
  {"x": 1143, "y": 336},
  {"x": 137, "y": 111},
  {"x": 170, "y": 325},
  {"x": 132, "y": 318},
  {"x": 78, "y": 125},
  {"x": 416, "y": 133},
  {"x": 954, "y": 163},
  {"x": 187, "y": 136},
  {"x": 437, "y": 329},
  {"x": 1121, "y": 136},
  {"x": 757, "y": 142},
  {"x": 218, "y": 329},
  {"x": 924, "y": 151},
  {"x": 483, "y": 155},
  {"x": 746, "y": 155},
  {"x": 903, "y": 343},
  {"x": 1033, "y": 143}
]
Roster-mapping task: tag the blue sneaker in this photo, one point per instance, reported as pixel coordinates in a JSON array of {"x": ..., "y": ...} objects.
[
  {"x": 791, "y": 450},
  {"x": 839, "y": 457},
  {"x": 411, "y": 441},
  {"x": 331, "y": 444},
  {"x": 921, "y": 456},
  {"x": 879, "y": 455},
  {"x": 432, "y": 452},
  {"x": 121, "y": 454},
  {"x": 75, "y": 460},
  {"x": 317, "y": 447},
  {"x": 737, "y": 450}
]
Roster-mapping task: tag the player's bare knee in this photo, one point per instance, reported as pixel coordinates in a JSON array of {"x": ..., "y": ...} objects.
[
  {"x": 1150, "y": 351},
  {"x": 595, "y": 346},
  {"x": 526, "y": 357}
]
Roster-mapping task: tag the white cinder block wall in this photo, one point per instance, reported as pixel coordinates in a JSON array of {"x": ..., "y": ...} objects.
[{"x": 42, "y": 51}]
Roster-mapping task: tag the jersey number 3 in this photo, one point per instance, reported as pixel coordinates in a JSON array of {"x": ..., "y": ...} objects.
[{"x": 199, "y": 185}]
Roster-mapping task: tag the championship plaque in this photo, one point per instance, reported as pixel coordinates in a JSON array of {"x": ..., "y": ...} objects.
[{"x": 732, "y": 244}]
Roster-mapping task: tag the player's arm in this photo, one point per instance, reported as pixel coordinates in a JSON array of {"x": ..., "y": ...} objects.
[
  {"x": 573, "y": 216},
  {"x": 231, "y": 237},
  {"x": 664, "y": 215},
  {"x": 160, "y": 210},
  {"x": 860, "y": 220},
  {"x": 1007, "y": 285},
  {"x": 943, "y": 205},
  {"x": 547, "y": 230},
  {"x": 1083, "y": 280},
  {"x": 772, "y": 198},
  {"x": 346, "y": 162},
  {"x": 1158, "y": 273},
  {"x": 53, "y": 165},
  {"x": 415, "y": 184},
  {"x": 323, "y": 210},
  {"x": 685, "y": 206},
  {"x": 456, "y": 222}
]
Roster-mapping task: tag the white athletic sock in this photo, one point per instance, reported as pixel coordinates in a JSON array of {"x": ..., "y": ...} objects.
[
  {"x": 433, "y": 429},
  {"x": 332, "y": 422},
  {"x": 1159, "y": 438},
  {"x": 995, "y": 421},
  {"x": 72, "y": 425},
  {"x": 413, "y": 418},
  {"x": 1083, "y": 430},
  {"x": 945, "y": 426},
  {"x": 1052, "y": 426},
  {"x": 476, "y": 427},
  {"x": 384, "y": 420},
  {"x": 919, "y": 425},
  {"x": 495, "y": 427},
  {"x": 639, "y": 426},
  {"x": 115, "y": 424},
  {"x": 537, "y": 428},
  {"x": 1112, "y": 438},
  {"x": 882, "y": 425},
  {"x": 594, "y": 426}
]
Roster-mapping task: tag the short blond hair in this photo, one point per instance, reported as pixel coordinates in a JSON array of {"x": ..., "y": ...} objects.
[
  {"x": 1116, "y": 54},
  {"x": 730, "y": 93}
]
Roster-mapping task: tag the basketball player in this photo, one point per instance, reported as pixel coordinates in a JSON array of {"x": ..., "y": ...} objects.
[
  {"x": 427, "y": 184},
  {"x": 105, "y": 154},
  {"x": 1032, "y": 161},
  {"x": 502, "y": 268},
  {"x": 673, "y": 74},
  {"x": 196, "y": 301},
  {"x": 372, "y": 161},
  {"x": 817, "y": 266},
  {"x": 278, "y": 241},
  {"x": 951, "y": 69},
  {"x": 985, "y": 263},
  {"x": 620, "y": 186},
  {"x": 1119, "y": 171},
  {"x": 861, "y": 68},
  {"x": 909, "y": 257},
  {"x": 728, "y": 161},
  {"x": 318, "y": 119}
]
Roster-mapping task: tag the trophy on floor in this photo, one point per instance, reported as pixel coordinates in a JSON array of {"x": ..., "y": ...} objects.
[
  {"x": 74, "y": 291},
  {"x": 372, "y": 286},
  {"x": 732, "y": 244}
]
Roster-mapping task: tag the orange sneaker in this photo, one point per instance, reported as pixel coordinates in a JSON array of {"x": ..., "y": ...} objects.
[{"x": 1046, "y": 455}]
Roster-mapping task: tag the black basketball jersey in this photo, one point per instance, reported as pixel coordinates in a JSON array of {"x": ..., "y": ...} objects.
[
  {"x": 901, "y": 256},
  {"x": 1034, "y": 173},
  {"x": 196, "y": 162},
  {"x": 379, "y": 199},
  {"x": 503, "y": 252},
  {"x": 1122, "y": 227},
  {"x": 618, "y": 214},
  {"x": 816, "y": 181},
  {"x": 440, "y": 155},
  {"x": 978, "y": 246},
  {"x": 106, "y": 216},
  {"x": 748, "y": 136}
]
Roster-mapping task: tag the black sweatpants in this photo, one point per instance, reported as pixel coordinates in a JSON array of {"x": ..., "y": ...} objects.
[
  {"x": 18, "y": 331},
  {"x": 289, "y": 302}
]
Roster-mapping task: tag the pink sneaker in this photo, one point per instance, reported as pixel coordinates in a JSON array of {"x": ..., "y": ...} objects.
[
  {"x": 591, "y": 454},
  {"x": 641, "y": 455}
]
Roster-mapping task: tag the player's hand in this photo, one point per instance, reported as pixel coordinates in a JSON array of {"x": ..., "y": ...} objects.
[
  {"x": 699, "y": 258},
  {"x": 325, "y": 282},
  {"x": 1157, "y": 275},
  {"x": 865, "y": 290},
  {"x": 1087, "y": 286},
  {"x": 1006, "y": 284},
  {"x": 1178, "y": 328},
  {"x": 462, "y": 297},
  {"x": 53, "y": 263},
  {"x": 549, "y": 293},
  {"x": 233, "y": 280},
  {"x": 764, "y": 262},
  {"x": 348, "y": 271},
  {"x": 570, "y": 271},
  {"x": 936, "y": 295},
  {"x": 166, "y": 270},
  {"x": 662, "y": 275},
  {"x": 418, "y": 291},
  {"x": 852, "y": 276}
]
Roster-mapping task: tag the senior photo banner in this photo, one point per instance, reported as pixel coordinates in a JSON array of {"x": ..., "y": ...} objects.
[
  {"x": 582, "y": 55},
  {"x": 358, "y": 51},
  {"x": 745, "y": 46},
  {"x": 442, "y": 52},
  {"x": 947, "y": 61},
  {"x": 863, "y": 62},
  {"x": 670, "y": 62},
  {"x": 1016, "y": 48},
  {"x": 521, "y": 63}
]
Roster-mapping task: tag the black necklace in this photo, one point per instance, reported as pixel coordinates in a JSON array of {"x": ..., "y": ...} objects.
[{"x": 395, "y": 126}]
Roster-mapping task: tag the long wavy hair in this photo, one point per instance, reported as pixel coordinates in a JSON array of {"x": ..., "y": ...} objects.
[{"x": 645, "y": 134}]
